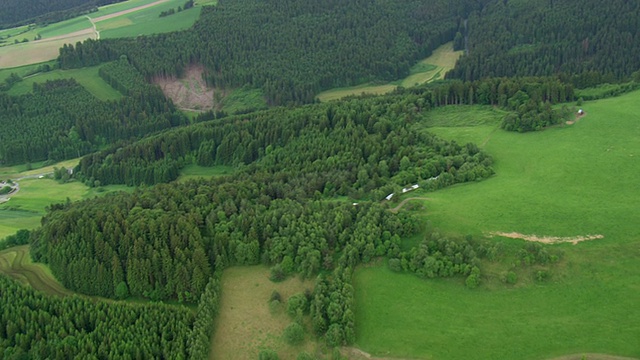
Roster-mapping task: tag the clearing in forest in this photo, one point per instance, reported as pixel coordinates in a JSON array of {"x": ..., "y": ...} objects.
[
  {"x": 246, "y": 324},
  {"x": 430, "y": 69},
  {"x": 16, "y": 263},
  {"x": 191, "y": 91}
]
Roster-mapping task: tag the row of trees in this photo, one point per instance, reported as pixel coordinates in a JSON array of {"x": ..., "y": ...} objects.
[{"x": 586, "y": 42}]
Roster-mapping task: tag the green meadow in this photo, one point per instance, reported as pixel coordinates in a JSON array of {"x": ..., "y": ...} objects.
[
  {"x": 147, "y": 21},
  {"x": 430, "y": 69},
  {"x": 25, "y": 209},
  {"x": 87, "y": 77},
  {"x": 569, "y": 180}
]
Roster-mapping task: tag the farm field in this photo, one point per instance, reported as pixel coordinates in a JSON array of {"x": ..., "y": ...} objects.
[
  {"x": 127, "y": 19},
  {"x": 246, "y": 324},
  {"x": 432, "y": 68},
  {"x": 564, "y": 181}
]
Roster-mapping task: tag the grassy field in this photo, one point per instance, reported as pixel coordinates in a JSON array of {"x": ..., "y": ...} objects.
[
  {"x": 16, "y": 263},
  {"x": 194, "y": 171},
  {"x": 563, "y": 181},
  {"x": 87, "y": 77},
  {"x": 246, "y": 324},
  {"x": 127, "y": 19},
  {"x": 147, "y": 21},
  {"x": 432, "y": 68}
]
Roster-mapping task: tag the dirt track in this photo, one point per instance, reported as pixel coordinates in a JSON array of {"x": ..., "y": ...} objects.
[
  {"x": 405, "y": 201},
  {"x": 15, "y": 263}
]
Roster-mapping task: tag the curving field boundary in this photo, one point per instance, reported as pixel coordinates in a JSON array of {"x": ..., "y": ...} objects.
[{"x": 16, "y": 263}]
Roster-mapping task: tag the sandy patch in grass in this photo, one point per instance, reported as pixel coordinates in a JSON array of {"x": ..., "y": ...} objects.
[
  {"x": 547, "y": 239},
  {"x": 245, "y": 324},
  {"x": 124, "y": 12},
  {"x": 190, "y": 92}
]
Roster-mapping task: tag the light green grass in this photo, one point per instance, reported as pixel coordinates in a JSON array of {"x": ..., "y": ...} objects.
[
  {"x": 65, "y": 27},
  {"x": 147, "y": 21},
  {"x": 432, "y": 68},
  {"x": 194, "y": 171},
  {"x": 244, "y": 100},
  {"x": 121, "y": 6},
  {"x": 401, "y": 315},
  {"x": 87, "y": 77},
  {"x": 25, "y": 209},
  {"x": 563, "y": 181},
  {"x": 22, "y": 71}
]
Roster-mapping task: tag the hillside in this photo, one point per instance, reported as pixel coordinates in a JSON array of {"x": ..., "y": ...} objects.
[{"x": 473, "y": 215}]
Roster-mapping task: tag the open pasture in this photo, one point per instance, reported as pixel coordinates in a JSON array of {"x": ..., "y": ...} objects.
[
  {"x": 432, "y": 68},
  {"x": 25, "y": 209},
  {"x": 565, "y": 181},
  {"x": 246, "y": 324}
]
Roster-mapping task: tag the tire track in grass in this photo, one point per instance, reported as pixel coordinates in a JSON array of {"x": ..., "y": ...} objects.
[{"x": 21, "y": 269}]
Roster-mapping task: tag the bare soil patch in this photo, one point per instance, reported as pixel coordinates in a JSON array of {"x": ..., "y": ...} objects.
[
  {"x": 124, "y": 12},
  {"x": 575, "y": 120},
  {"x": 245, "y": 324},
  {"x": 548, "y": 239},
  {"x": 190, "y": 92}
]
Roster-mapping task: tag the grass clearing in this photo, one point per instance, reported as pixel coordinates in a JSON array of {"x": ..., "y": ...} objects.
[
  {"x": 245, "y": 324},
  {"x": 564, "y": 181},
  {"x": 194, "y": 172},
  {"x": 87, "y": 77},
  {"x": 430, "y": 69},
  {"x": 16, "y": 263}
]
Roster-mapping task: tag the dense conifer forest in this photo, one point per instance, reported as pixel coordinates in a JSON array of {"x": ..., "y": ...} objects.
[
  {"x": 19, "y": 12},
  {"x": 291, "y": 49},
  {"x": 584, "y": 41},
  {"x": 61, "y": 120}
]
